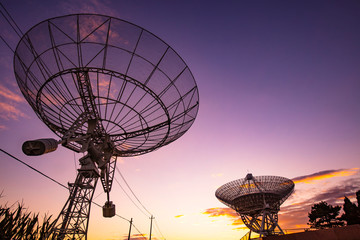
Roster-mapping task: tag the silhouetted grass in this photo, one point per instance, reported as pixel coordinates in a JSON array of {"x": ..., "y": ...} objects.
[{"x": 18, "y": 224}]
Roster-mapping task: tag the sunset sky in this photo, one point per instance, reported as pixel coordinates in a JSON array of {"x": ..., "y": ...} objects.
[{"x": 279, "y": 85}]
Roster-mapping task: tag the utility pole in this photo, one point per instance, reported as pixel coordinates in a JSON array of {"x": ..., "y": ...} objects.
[
  {"x": 151, "y": 218},
  {"x": 130, "y": 229}
]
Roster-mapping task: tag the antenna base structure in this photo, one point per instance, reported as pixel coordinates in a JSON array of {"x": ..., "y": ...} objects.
[
  {"x": 264, "y": 223},
  {"x": 257, "y": 200}
]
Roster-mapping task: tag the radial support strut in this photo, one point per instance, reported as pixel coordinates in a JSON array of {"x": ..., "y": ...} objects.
[
  {"x": 72, "y": 222},
  {"x": 264, "y": 223}
]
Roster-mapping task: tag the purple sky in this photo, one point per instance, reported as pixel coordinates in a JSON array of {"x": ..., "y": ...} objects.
[{"x": 279, "y": 85}]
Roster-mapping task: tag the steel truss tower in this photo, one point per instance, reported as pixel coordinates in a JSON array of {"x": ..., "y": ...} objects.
[{"x": 73, "y": 220}]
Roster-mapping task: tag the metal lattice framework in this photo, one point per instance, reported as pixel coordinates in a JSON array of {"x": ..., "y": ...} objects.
[
  {"x": 143, "y": 92},
  {"x": 257, "y": 200},
  {"x": 106, "y": 87}
]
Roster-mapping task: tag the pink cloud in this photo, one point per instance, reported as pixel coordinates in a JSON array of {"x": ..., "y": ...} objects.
[
  {"x": 8, "y": 94},
  {"x": 91, "y": 6},
  {"x": 9, "y": 112}
]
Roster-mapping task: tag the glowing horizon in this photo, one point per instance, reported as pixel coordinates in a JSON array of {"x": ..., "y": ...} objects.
[{"x": 278, "y": 96}]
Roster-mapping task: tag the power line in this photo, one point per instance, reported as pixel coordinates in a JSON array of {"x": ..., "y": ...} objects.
[
  {"x": 21, "y": 35},
  {"x": 157, "y": 226},
  {"x": 7, "y": 44},
  {"x": 11, "y": 21},
  {"x": 12, "y": 24},
  {"x": 130, "y": 198},
  {"x": 117, "y": 169},
  {"x": 62, "y": 185},
  {"x": 33, "y": 168},
  {"x": 139, "y": 232}
]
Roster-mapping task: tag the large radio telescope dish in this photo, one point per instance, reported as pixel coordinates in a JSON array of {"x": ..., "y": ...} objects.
[
  {"x": 106, "y": 87},
  {"x": 257, "y": 200},
  {"x": 142, "y": 92}
]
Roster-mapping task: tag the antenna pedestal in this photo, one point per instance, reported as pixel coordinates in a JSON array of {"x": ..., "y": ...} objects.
[{"x": 264, "y": 223}]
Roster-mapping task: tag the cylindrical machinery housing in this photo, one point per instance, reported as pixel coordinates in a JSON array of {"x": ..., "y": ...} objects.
[
  {"x": 39, "y": 146},
  {"x": 109, "y": 209}
]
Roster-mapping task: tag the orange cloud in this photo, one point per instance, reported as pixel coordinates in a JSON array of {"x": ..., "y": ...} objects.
[
  {"x": 217, "y": 212},
  {"x": 293, "y": 216},
  {"x": 179, "y": 216},
  {"x": 227, "y": 212},
  {"x": 325, "y": 175},
  {"x": 241, "y": 228},
  {"x": 238, "y": 222},
  {"x": 2, "y": 127},
  {"x": 8, "y": 94},
  {"x": 9, "y": 112}
]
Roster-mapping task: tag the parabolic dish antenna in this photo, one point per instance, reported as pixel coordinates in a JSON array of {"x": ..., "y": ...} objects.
[
  {"x": 106, "y": 87},
  {"x": 257, "y": 200}
]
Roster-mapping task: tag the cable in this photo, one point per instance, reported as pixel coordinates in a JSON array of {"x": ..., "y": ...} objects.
[
  {"x": 132, "y": 191},
  {"x": 130, "y": 198},
  {"x": 7, "y": 44},
  {"x": 98, "y": 195},
  {"x": 62, "y": 185},
  {"x": 33, "y": 168},
  {"x": 139, "y": 232},
  {"x": 21, "y": 35},
  {"x": 11, "y": 22},
  {"x": 157, "y": 226}
]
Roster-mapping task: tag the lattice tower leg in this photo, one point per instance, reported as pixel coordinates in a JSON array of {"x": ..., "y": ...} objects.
[
  {"x": 264, "y": 223},
  {"x": 72, "y": 222}
]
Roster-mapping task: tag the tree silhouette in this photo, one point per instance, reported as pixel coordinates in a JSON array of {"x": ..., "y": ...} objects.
[
  {"x": 351, "y": 211},
  {"x": 324, "y": 215}
]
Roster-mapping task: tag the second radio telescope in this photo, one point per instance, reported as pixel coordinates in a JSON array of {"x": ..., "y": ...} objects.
[{"x": 257, "y": 200}]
